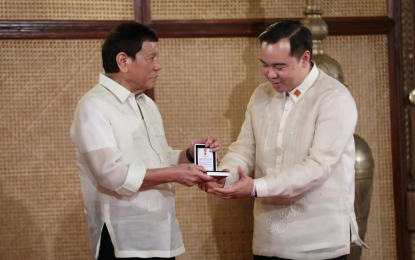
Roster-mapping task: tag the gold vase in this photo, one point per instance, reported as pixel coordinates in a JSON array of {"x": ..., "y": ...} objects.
[{"x": 364, "y": 167}]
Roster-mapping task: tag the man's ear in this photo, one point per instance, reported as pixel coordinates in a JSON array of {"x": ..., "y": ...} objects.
[
  {"x": 305, "y": 59},
  {"x": 122, "y": 61}
]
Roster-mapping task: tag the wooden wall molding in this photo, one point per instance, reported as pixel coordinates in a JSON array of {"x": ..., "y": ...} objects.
[
  {"x": 142, "y": 11},
  {"x": 253, "y": 27},
  {"x": 182, "y": 28},
  {"x": 398, "y": 125},
  {"x": 413, "y": 48},
  {"x": 56, "y": 29}
]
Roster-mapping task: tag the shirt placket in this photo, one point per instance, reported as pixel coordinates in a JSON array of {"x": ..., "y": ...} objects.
[
  {"x": 137, "y": 105},
  {"x": 280, "y": 151}
]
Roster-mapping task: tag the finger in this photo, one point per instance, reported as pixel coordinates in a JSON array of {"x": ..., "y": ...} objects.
[
  {"x": 202, "y": 186},
  {"x": 241, "y": 173},
  {"x": 223, "y": 191},
  {"x": 192, "y": 147},
  {"x": 220, "y": 195},
  {"x": 210, "y": 188},
  {"x": 199, "y": 168},
  {"x": 219, "y": 179},
  {"x": 219, "y": 160},
  {"x": 209, "y": 141},
  {"x": 204, "y": 177},
  {"x": 216, "y": 143},
  {"x": 217, "y": 148},
  {"x": 203, "y": 140},
  {"x": 226, "y": 170}
]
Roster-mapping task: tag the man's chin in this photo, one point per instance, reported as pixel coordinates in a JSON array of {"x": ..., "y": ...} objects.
[
  {"x": 150, "y": 86},
  {"x": 278, "y": 86},
  {"x": 279, "y": 89}
]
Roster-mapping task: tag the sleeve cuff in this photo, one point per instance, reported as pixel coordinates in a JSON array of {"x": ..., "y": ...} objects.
[
  {"x": 174, "y": 156},
  {"x": 261, "y": 188},
  {"x": 355, "y": 235},
  {"x": 132, "y": 184}
]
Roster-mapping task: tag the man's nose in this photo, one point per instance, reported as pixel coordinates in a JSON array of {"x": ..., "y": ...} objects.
[
  {"x": 157, "y": 66},
  {"x": 272, "y": 74}
]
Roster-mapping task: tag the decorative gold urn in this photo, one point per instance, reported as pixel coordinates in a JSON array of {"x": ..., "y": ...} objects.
[{"x": 364, "y": 164}]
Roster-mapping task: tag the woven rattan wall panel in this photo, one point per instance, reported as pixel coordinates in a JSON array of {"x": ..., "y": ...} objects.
[
  {"x": 41, "y": 213},
  {"x": 364, "y": 60},
  {"x": 241, "y": 9},
  {"x": 67, "y": 10},
  {"x": 204, "y": 89}
]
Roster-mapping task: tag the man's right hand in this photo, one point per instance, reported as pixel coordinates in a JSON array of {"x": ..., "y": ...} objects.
[
  {"x": 217, "y": 183},
  {"x": 190, "y": 174}
]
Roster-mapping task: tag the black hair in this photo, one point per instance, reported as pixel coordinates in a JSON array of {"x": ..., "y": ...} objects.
[
  {"x": 299, "y": 36},
  {"x": 127, "y": 38}
]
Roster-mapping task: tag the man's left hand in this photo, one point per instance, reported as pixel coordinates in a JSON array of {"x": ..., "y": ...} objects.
[
  {"x": 208, "y": 141},
  {"x": 242, "y": 189}
]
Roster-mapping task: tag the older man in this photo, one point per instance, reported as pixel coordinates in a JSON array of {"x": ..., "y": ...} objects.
[{"x": 126, "y": 168}]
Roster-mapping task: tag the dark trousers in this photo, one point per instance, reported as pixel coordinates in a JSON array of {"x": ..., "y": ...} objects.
[
  {"x": 106, "y": 250},
  {"x": 258, "y": 257}
]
